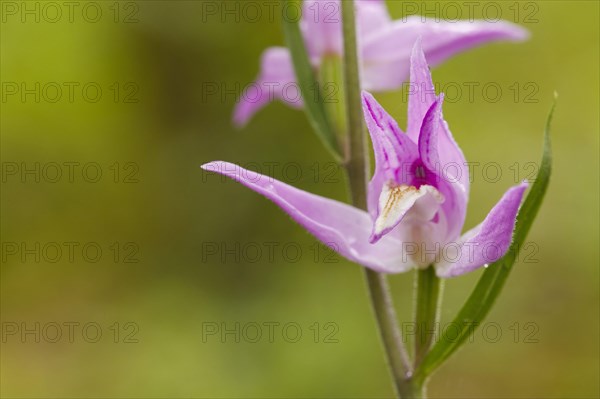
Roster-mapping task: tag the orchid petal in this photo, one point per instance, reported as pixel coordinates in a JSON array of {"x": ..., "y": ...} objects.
[
  {"x": 322, "y": 28},
  {"x": 342, "y": 227},
  {"x": 386, "y": 53},
  {"x": 421, "y": 96},
  {"x": 452, "y": 160},
  {"x": 487, "y": 242},
  {"x": 421, "y": 93},
  {"x": 392, "y": 193},
  {"x": 432, "y": 144},
  {"x": 428, "y": 138},
  {"x": 422, "y": 239},
  {"x": 445, "y": 39},
  {"x": 371, "y": 17},
  {"x": 396, "y": 202},
  {"x": 383, "y": 76},
  {"x": 274, "y": 82},
  {"x": 395, "y": 153}
]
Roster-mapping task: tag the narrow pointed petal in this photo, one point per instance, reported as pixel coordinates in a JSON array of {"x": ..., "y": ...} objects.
[
  {"x": 421, "y": 92},
  {"x": 432, "y": 143},
  {"x": 452, "y": 160},
  {"x": 395, "y": 153},
  {"x": 428, "y": 138},
  {"x": 276, "y": 80},
  {"x": 487, "y": 242},
  {"x": 386, "y": 54},
  {"x": 340, "y": 226},
  {"x": 443, "y": 40},
  {"x": 421, "y": 96}
]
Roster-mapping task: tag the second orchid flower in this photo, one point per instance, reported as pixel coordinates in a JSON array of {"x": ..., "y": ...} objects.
[{"x": 384, "y": 48}]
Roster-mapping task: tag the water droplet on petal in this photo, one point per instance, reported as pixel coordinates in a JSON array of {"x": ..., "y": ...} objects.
[{"x": 486, "y": 265}]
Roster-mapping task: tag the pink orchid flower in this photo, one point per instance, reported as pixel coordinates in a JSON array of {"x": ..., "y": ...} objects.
[
  {"x": 384, "y": 47},
  {"x": 417, "y": 197}
]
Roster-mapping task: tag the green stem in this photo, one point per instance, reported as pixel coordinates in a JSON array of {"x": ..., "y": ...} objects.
[
  {"x": 396, "y": 354},
  {"x": 357, "y": 156},
  {"x": 428, "y": 292},
  {"x": 357, "y": 169},
  {"x": 412, "y": 389}
]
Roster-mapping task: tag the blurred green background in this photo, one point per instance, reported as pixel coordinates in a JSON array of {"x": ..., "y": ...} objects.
[{"x": 168, "y": 232}]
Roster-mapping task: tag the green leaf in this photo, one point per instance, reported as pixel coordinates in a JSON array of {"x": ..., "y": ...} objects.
[
  {"x": 491, "y": 282},
  {"x": 308, "y": 84}
]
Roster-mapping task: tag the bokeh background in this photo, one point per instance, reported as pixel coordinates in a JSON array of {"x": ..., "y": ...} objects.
[{"x": 169, "y": 234}]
